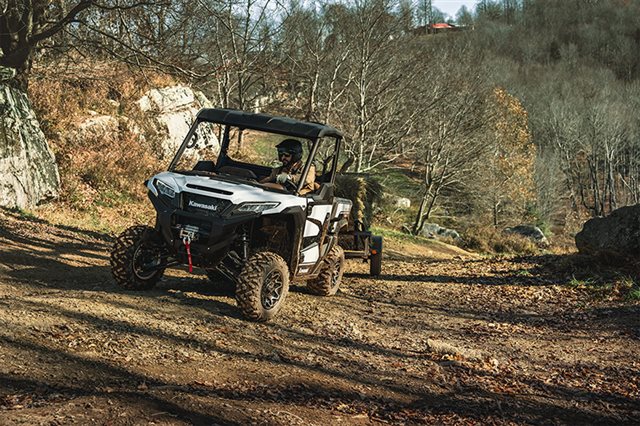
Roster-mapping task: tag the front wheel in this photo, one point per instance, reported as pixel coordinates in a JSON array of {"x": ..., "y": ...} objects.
[
  {"x": 136, "y": 263},
  {"x": 330, "y": 277},
  {"x": 262, "y": 286}
]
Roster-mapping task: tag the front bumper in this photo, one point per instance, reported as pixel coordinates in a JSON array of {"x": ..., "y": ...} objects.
[{"x": 211, "y": 235}]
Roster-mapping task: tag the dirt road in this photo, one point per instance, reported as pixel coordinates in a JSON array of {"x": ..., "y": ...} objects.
[{"x": 455, "y": 341}]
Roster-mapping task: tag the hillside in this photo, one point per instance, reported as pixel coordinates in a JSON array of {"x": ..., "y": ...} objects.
[
  {"x": 528, "y": 116},
  {"x": 449, "y": 341}
]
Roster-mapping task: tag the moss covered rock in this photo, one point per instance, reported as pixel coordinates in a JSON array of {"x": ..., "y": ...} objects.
[{"x": 28, "y": 171}]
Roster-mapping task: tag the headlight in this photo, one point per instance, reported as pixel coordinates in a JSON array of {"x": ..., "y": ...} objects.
[
  {"x": 165, "y": 189},
  {"x": 255, "y": 207}
]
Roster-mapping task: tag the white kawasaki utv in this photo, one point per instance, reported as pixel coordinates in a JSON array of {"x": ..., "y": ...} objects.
[{"x": 213, "y": 213}]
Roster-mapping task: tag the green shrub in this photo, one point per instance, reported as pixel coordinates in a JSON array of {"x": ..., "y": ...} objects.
[{"x": 634, "y": 294}]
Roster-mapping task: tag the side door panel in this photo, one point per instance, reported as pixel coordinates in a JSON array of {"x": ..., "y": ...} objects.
[{"x": 312, "y": 247}]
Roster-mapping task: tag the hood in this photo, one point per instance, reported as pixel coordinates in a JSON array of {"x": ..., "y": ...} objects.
[{"x": 226, "y": 189}]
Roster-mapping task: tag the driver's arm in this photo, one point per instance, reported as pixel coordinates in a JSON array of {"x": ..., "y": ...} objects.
[{"x": 271, "y": 177}]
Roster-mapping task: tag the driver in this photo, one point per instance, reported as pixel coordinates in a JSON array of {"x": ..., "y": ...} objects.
[{"x": 290, "y": 173}]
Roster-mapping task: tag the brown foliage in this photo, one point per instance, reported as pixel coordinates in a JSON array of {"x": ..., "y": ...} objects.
[
  {"x": 488, "y": 239},
  {"x": 102, "y": 167},
  {"x": 512, "y": 167}
]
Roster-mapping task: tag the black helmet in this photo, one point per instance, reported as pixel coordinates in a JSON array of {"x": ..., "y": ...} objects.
[{"x": 291, "y": 146}]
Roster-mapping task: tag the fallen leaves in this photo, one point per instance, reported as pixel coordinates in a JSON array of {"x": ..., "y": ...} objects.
[{"x": 480, "y": 341}]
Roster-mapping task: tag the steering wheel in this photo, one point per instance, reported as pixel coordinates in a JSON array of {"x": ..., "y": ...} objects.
[
  {"x": 289, "y": 185},
  {"x": 273, "y": 185}
]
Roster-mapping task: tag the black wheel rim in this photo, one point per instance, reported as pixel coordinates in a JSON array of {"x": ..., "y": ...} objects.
[
  {"x": 146, "y": 263},
  {"x": 272, "y": 290}
]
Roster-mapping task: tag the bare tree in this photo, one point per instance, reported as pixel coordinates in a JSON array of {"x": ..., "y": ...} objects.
[
  {"x": 24, "y": 24},
  {"x": 315, "y": 53},
  {"x": 380, "y": 80},
  {"x": 448, "y": 132}
]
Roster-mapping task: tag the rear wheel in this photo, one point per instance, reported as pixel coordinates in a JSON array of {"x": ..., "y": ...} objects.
[
  {"x": 262, "y": 286},
  {"x": 136, "y": 263},
  {"x": 330, "y": 277},
  {"x": 375, "y": 260}
]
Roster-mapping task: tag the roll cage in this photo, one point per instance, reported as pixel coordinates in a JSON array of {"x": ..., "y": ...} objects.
[{"x": 285, "y": 126}]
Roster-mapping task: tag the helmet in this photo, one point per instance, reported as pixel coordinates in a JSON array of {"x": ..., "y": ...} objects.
[{"x": 291, "y": 146}]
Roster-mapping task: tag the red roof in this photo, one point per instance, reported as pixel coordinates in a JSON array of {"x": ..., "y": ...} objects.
[{"x": 441, "y": 25}]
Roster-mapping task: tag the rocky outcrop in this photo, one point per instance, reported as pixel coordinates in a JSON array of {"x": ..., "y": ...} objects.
[
  {"x": 98, "y": 127},
  {"x": 401, "y": 203},
  {"x": 433, "y": 230},
  {"x": 171, "y": 110},
  {"x": 614, "y": 236},
  {"x": 531, "y": 232},
  {"x": 28, "y": 171},
  {"x": 395, "y": 201}
]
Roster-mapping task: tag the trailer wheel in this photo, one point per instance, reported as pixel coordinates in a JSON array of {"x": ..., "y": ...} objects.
[
  {"x": 330, "y": 277},
  {"x": 262, "y": 286},
  {"x": 135, "y": 264},
  {"x": 375, "y": 260}
]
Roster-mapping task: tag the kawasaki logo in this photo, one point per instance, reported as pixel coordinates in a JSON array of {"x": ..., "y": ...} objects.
[{"x": 202, "y": 206}]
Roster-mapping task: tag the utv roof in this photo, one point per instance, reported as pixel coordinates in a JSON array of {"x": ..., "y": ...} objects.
[{"x": 268, "y": 123}]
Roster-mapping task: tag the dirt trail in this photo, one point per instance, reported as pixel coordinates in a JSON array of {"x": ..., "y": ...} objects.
[{"x": 454, "y": 341}]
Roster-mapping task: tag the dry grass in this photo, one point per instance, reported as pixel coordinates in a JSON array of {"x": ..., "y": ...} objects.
[
  {"x": 96, "y": 170},
  {"x": 487, "y": 239},
  {"x": 64, "y": 91},
  {"x": 106, "y": 219}
]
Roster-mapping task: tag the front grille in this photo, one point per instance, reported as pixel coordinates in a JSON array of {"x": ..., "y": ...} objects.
[
  {"x": 209, "y": 189},
  {"x": 206, "y": 206}
]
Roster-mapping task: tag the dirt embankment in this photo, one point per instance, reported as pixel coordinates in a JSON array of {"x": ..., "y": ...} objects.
[{"x": 458, "y": 341}]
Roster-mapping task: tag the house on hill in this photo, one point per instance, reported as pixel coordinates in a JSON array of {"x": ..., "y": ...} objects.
[{"x": 439, "y": 27}]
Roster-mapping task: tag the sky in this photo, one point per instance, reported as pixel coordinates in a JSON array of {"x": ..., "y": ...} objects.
[{"x": 451, "y": 7}]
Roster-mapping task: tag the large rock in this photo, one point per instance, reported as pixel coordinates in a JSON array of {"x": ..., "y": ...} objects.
[
  {"x": 96, "y": 127},
  {"x": 28, "y": 171},
  {"x": 401, "y": 203},
  {"x": 172, "y": 111},
  {"x": 93, "y": 128},
  {"x": 531, "y": 232},
  {"x": 617, "y": 235},
  {"x": 433, "y": 230}
]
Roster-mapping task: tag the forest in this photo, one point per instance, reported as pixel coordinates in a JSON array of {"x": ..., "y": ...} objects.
[
  {"x": 515, "y": 112},
  {"x": 525, "y": 112}
]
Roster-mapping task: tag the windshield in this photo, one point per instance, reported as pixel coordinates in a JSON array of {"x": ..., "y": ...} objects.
[
  {"x": 212, "y": 148},
  {"x": 202, "y": 145}
]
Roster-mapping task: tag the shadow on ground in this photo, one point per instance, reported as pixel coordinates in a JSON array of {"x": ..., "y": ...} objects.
[{"x": 46, "y": 366}]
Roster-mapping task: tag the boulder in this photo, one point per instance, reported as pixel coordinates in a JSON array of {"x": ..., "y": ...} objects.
[
  {"x": 28, "y": 171},
  {"x": 171, "y": 111},
  {"x": 401, "y": 203},
  {"x": 6, "y": 74},
  {"x": 617, "y": 235},
  {"x": 94, "y": 128},
  {"x": 531, "y": 232},
  {"x": 97, "y": 127},
  {"x": 433, "y": 230}
]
